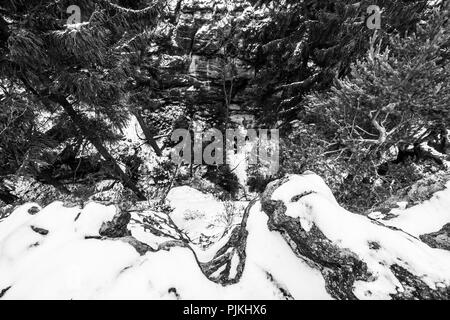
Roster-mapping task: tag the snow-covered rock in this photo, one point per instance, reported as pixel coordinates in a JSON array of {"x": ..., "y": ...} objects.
[
  {"x": 296, "y": 242},
  {"x": 427, "y": 217},
  {"x": 71, "y": 261},
  {"x": 200, "y": 215},
  {"x": 358, "y": 257}
]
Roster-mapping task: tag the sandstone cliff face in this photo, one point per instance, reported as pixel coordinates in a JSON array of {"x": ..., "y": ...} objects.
[{"x": 201, "y": 58}]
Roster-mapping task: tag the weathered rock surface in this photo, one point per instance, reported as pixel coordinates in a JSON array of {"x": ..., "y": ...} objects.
[
  {"x": 199, "y": 51},
  {"x": 440, "y": 239},
  {"x": 117, "y": 228}
]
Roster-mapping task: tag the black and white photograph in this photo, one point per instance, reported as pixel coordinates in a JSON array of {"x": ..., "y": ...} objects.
[{"x": 224, "y": 150}]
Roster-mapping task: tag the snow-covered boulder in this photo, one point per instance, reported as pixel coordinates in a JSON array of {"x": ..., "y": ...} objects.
[
  {"x": 357, "y": 256},
  {"x": 427, "y": 217},
  {"x": 58, "y": 252},
  {"x": 201, "y": 216},
  {"x": 295, "y": 242}
]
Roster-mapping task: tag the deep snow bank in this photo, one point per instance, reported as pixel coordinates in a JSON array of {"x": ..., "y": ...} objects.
[{"x": 295, "y": 243}]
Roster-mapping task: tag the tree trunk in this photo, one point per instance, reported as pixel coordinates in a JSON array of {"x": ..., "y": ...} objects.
[
  {"x": 147, "y": 133},
  {"x": 97, "y": 143}
]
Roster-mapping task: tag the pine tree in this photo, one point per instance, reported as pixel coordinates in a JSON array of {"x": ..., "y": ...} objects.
[
  {"x": 396, "y": 91},
  {"x": 16, "y": 126},
  {"x": 391, "y": 110},
  {"x": 306, "y": 44},
  {"x": 80, "y": 68}
]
